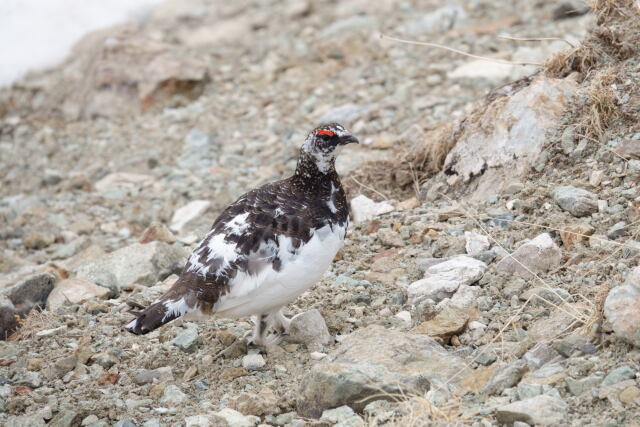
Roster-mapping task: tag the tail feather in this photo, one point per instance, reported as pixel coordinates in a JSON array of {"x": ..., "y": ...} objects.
[{"x": 157, "y": 314}]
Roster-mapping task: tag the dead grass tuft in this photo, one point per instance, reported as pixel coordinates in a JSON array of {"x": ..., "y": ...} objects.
[
  {"x": 36, "y": 321},
  {"x": 605, "y": 44},
  {"x": 604, "y": 9},
  {"x": 404, "y": 175},
  {"x": 601, "y": 107}
]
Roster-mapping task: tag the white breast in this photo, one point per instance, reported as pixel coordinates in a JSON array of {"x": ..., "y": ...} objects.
[{"x": 269, "y": 290}]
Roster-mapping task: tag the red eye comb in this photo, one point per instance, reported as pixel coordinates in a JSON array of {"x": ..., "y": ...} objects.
[{"x": 324, "y": 132}]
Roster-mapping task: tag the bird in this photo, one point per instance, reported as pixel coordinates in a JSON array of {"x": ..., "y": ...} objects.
[{"x": 266, "y": 248}]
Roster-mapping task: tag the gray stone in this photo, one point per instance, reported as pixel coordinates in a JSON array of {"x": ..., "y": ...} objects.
[
  {"x": 582, "y": 385},
  {"x": 438, "y": 21},
  {"x": 342, "y": 416},
  {"x": 538, "y": 355},
  {"x": 443, "y": 279},
  {"x": 253, "y": 362},
  {"x": 106, "y": 359},
  {"x": 65, "y": 418},
  {"x": 125, "y": 423},
  {"x": 173, "y": 396},
  {"x": 27, "y": 378},
  {"x": 354, "y": 375},
  {"x": 308, "y": 328},
  {"x": 527, "y": 391},
  {"x": 486, "y": 358},
  {"x": 576, "y": 201},
  {"x": 187, "y": 340},
  {"x": 507, "y": 376},
  {"x": 144, "y": 264},
  {"x": 21, "y": 298},
  {"x": 618, "y": 229},
  {"x": 147, "y": 376},
  {"x": 567, "y": 345},
  {"x": 539, "y": 255},
  {"x": 29, "y": 420},
  {"x": 619, "y": 374},
  {"x": 540, "y": 410}
]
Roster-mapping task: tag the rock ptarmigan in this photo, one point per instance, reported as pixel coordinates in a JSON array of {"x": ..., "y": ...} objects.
[{"x": 267, "y": 247}]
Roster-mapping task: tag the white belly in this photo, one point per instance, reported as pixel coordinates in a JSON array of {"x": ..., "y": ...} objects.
[{"x": 269, "y": 290}]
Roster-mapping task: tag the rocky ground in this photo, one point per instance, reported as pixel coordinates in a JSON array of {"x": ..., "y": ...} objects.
[{"x": 500, "y": 287}]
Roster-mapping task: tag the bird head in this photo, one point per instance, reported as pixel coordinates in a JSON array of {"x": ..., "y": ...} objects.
[{"x": 325, "y": 142}]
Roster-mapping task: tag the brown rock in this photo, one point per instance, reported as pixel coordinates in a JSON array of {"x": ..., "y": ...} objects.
[
  {"x": 630, "y": 395},
  {"x": 577, "y": 233},
  {"x": 190, "y": 373},
  {"x": 157, "y": 232},
  {"x": 263, "y": 403},
  {"x": 234, "y": 373},
  {"x": 450, "y": 321},
  {"x": 82, "y": 226},
  {"x": 108, "y": 378},
  {"x": 628, "y": 148},
  {"x": 408, "y": 204}
]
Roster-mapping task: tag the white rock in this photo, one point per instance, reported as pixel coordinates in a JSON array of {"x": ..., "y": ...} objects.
[
  {"x": 49, "y": 332},
  {"x": 122, "y": 180},
  {"x": 227, "y": 417},
  {"x": 511, "y": 127},
  {"x": 187, "y": 213},
  {"x": 443, "y": 280},
  {"x": 475, "y": 243},
  {"x": 173, "y": 396},
  {"x": 197, "y": 421},
  {"x": 316, "y": 355},
  {"x": 75, "y": 291},
  {"x": 405, "y": 316},
  {"x": 252, "y": 362},
  {"x": 364, "y": 209},
  {"x": 479, "y": 69}
]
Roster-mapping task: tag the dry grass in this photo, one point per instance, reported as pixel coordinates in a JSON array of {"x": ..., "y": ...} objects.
[
  {"x": 36, "y": 321},
  {"x": 601, "y": 107},
  {"x": 605, "y": 44},
  {"x": 411, "y": 166}
]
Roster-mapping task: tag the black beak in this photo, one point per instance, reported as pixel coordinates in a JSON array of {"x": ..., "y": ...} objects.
[{"x": 349, "y": 140}]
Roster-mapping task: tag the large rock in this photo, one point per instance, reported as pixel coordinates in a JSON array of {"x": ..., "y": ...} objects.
[
  {"x": 502, "y": 141},
  {"x": 144, "y": 264},
  {"x": 621, "y": 308},
  {"x": 372, "y": 361},
  {"x": 538, "y": 255},
  {"x": 18, "y": 300},
  {"x": 443, "y": 280},
  {"x": 541, "y": 410},
  {"x": 115, "y": 74},
  {"x": 576, "y": 201},
  {"x": 75, "y": 291}
]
